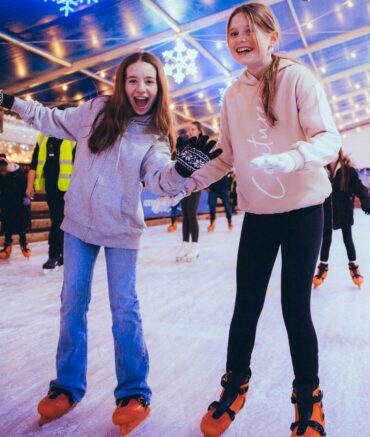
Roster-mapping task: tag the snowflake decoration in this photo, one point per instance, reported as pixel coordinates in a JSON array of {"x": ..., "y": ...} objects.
[
  {"x": 69, "y": 5},
  {"x": 179, "y": 62}
]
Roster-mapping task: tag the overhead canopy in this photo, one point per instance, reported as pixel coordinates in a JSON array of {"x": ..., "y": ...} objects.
[{"x": 54, "y": 58}]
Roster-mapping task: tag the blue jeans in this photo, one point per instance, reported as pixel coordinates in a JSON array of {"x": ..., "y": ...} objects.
[
  {"x": 131, "y": 355},
  {"x": 212, "y": 202}
]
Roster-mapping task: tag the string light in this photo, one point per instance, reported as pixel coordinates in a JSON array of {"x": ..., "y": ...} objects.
[
  {"x": 201, "y": 95},
  {"x": 64, "y": 87},
  {"x": 309, "y": 25}
]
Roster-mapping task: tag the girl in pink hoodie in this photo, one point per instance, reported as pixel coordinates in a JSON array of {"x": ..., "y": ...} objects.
[{"x": 278, "y": 133}]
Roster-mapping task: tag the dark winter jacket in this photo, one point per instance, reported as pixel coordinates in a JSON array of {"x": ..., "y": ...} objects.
[
  {"x": 15, "y": 216},
  {"x": 339, "y": 205},
  {"x": 221, "y": 185}
]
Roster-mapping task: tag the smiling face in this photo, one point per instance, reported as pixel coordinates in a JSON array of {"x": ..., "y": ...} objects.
[
  {"x": 249, "y": 45},
  {"x": 141, "y": 86}
]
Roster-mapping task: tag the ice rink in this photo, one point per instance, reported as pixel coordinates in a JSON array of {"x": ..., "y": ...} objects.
[{"x": 186, "y": 310}]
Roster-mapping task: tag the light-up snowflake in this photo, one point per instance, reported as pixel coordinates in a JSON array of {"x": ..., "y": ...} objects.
[
  {"x": 179, "y": 62},
  {"x": 69, "y": 5}
]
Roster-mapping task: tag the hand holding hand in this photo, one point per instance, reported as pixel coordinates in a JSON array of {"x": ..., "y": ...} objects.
[
  {"x": 189, "y": 186},
  {"x": 280, "y": 162},
  {"x": 192, "y": 154},
  {"x": 164, "y": 203}
]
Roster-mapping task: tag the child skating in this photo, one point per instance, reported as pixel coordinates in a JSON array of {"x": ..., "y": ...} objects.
[
  {"x": 278, "y": 133},
  {"x": 123, "y": 139}
]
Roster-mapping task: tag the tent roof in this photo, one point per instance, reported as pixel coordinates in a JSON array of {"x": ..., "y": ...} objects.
[{"x": 42, "y": 49}]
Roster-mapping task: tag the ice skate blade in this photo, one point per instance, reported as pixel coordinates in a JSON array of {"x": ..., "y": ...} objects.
[
  {"x": 43, "y": 420},
  {"x": 126, "y": 428},
  {"x": 47, "y": 271}
]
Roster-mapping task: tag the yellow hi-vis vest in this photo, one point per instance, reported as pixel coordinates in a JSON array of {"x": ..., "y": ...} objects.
[{"x": 65, "y": 163}]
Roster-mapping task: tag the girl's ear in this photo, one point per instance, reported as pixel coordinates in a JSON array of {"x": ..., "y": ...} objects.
[{"x": 274, "y": 38}]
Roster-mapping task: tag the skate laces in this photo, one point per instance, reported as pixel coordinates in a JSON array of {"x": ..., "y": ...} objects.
[
  {"x": 123, "y": 402},
  {"x": 322, "y": 268},
  {"x": 305, "y": 407},
  {"x": 355, "y": 270},
  {"x": 54, "y": 392},
  {"x": 233, "y": 385}
]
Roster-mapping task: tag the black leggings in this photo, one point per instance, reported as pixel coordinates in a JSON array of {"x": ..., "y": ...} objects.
[
  {"x": 298, "y": 234},
  {"x": 347, "y": 239},
  {"x": 190, "y": 226}
]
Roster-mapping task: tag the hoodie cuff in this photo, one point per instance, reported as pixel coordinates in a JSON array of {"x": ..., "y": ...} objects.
[{"x": 298, "y": 159}]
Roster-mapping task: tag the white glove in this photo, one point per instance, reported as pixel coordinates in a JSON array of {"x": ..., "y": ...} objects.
[
  {"x": 281, "y": 162},
  {"x": 164, "y": 203}
]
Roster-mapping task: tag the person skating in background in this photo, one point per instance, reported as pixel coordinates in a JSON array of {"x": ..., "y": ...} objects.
[
  {"x": 278, "y": 133},
  {"x": 14, "y": 206},
  {"x": 219, "y": 189},
  {"x": 123, "y": 140},
  {"x": 51, "y": 170},
  {"x": 338, "y": 214},
  {"x": 189, "y": 249}
]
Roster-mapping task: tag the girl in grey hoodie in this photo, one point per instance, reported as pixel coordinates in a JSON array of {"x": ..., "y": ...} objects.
[{"x": 123, "y": 140}]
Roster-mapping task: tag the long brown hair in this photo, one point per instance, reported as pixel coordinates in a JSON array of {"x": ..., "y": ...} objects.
[
  {"x": 114, "y": 117},
  {"x": 345, "y": 163},
  {"x": 261, "y": 16}
]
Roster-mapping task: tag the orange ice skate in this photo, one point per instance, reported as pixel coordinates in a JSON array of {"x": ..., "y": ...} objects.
[
  {"x": 54, "y": 405},
  {"x": 221, "y": 413},
  {"x": 309, "y": 413},
  {"x": 130, "y": 412}
]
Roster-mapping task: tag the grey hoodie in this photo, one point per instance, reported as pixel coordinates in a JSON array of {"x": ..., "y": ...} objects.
[{"x": 103, "y": 202}]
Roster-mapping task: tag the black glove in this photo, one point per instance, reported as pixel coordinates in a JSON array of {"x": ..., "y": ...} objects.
[
  {"x": 6, "y": 101},
  {"x": 192, "y": 154}
]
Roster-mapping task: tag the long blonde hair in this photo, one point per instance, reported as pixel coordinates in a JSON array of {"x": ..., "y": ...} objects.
[
  {"x": 114, "y": 117},
  {"x": 261, "y": 16}
]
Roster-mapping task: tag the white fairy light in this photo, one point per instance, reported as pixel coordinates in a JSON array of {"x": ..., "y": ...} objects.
[{"x": 179, "y": 62}]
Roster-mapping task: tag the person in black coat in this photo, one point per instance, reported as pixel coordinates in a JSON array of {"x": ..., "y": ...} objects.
[
  {"x": 338, "y": 214},
  {"x": 14, "y": 206}
]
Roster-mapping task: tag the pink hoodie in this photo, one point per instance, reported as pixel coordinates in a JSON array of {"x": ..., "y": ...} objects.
[{"x": 305, "y": 128}]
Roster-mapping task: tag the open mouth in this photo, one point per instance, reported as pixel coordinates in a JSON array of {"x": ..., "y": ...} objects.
[
  {"x": 244, "y": 50},
  {"x": 141, "y": 102}
]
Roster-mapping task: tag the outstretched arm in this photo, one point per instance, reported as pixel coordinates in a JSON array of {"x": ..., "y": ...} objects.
[{"x": 65, "y": 124}]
